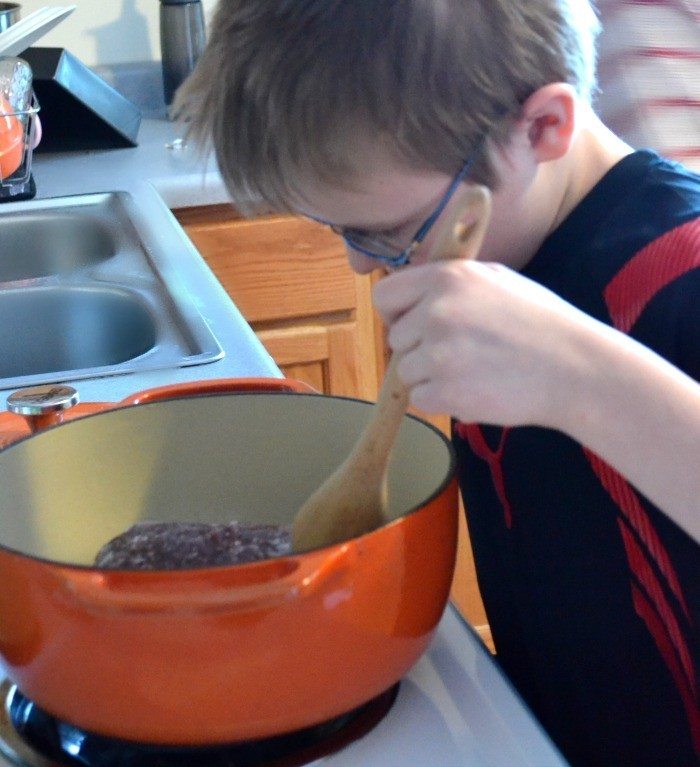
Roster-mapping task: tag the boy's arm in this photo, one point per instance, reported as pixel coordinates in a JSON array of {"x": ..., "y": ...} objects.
[
  {"x": 485, "y": 344},
  {"x": 641, "y": 415}
]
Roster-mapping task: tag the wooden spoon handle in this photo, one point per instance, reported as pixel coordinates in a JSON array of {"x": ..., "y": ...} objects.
[
  {"x": 353, "y": 500},
  {"x": 374, "y": 444},
  {"x": 463, "y": 232},
  {"x": 461, "y": 237}
]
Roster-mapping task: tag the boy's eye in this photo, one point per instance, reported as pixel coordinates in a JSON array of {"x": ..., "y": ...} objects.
[
  {"x": 394, "y": 236},
  {"x": 394, "y": 231},
  {"x": 388, "y": 234},
  {"x": 364, "y": 234}
]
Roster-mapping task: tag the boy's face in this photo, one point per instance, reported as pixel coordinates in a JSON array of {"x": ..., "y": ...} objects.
[
  {"x": 390, "y": 202},
  {"x": 387, "y": 202}
]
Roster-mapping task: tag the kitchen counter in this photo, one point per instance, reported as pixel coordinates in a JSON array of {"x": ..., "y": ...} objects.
[
  {"x": 161, "y": 162},
  {"x": 161, "y": 175}
]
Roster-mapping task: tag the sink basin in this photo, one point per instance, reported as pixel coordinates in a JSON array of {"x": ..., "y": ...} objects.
[
  {"x": 40, "y": 245},
  {"x": 86, "y": 291},
  {"x": 57, "y": 328}
]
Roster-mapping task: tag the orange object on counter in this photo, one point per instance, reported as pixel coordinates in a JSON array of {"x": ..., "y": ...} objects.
[
  {"x": 11, "y": 140},
  {"x": 216, "y": 654}
]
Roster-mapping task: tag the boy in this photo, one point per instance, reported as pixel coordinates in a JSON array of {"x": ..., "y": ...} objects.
[{"x": 577, "y": 445}]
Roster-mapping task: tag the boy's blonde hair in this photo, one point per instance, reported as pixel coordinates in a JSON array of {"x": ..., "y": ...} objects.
[{"x": 284, "y": 88}]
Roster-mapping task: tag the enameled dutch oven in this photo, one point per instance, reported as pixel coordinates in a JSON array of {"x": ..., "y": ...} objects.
[{"x": 213, "y": 655}]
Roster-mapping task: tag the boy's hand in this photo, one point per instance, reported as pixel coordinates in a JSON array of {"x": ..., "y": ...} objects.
[
  {"x": 483, "y": 343},
  {"x": 487, "y": 345}
]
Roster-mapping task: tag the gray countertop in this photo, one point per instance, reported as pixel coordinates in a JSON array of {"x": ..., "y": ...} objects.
[
  {"x": 161, "y": 175},
  {"x": 159, "y": 162}
]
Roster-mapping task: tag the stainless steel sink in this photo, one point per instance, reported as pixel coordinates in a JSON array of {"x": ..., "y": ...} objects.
[
  {"x": 85, "y": 292},
  {"x": 78, "y": 328},
  {"x": 44, "y": 244}
]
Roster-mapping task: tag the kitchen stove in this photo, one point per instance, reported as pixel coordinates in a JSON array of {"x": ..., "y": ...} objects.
[{"x": 454, "y": 709}]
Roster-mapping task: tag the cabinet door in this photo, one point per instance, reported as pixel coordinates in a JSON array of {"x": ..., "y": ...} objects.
[
  {"x": 291, "y": 281},
  {"x": 330, "y": 357}
]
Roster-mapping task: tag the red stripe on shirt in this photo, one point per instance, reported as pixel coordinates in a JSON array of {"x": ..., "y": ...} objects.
[
  {"x": 650, "y": 270},
  {"x": 668, "y": 622},
  {"x": 666, "y": 53},
  {"x": 683, "y": 6},
  {"x": 647, "y": 613},
  {"x": 628, "y": 502},
  {"x": 472, "y": 433},
  {"x": 681, "y": 152}
]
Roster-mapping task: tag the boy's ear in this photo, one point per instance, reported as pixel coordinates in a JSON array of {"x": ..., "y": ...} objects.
[{"x": 548, "y": 117}]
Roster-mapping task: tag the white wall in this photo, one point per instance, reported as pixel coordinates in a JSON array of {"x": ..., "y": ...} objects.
[{"x": 104, "y": 32}]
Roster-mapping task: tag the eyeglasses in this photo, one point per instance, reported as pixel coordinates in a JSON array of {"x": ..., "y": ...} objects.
[{"x": 372, "y": 246}]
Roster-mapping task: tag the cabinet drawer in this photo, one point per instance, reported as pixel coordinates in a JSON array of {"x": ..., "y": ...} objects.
[{"x": 277, "y": 267}]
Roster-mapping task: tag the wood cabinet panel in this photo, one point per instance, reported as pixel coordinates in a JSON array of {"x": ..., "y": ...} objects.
[
  {"x": 329, "y": 358},
  {"x": 465, "y": 588},
  {"x": 278, "y": 267},
  {"x": 291, "y": 280}
]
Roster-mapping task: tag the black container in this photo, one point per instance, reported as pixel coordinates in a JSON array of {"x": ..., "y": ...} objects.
[{"x": 79, "y": 110}]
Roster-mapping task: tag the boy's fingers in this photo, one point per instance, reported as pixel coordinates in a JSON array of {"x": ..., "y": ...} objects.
[
  {"x": 406, "y": 331},
  {"x": 396, "y": 293},
  {"x": 459, "y": 238}
]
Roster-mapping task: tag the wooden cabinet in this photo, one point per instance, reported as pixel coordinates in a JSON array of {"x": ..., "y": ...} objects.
[{"x": 290, "y": 279}]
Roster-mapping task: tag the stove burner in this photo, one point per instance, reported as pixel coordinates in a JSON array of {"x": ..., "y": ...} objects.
[{"x": 30, "y": 736}]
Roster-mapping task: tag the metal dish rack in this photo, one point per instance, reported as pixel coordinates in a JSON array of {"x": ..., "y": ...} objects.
[{"x": 19, "y": 185}]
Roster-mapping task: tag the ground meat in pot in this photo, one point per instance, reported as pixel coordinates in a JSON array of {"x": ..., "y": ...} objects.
[{"x": 181, "y": 545}]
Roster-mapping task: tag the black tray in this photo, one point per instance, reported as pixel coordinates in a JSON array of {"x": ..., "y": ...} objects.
[{"x": 79, "y": 110}]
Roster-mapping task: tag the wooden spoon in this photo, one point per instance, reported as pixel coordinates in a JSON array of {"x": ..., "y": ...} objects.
[{"x": 354, "y": 499}]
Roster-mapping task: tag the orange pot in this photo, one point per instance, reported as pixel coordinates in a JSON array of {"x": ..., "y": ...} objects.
[{"x": 214, "y": 655}]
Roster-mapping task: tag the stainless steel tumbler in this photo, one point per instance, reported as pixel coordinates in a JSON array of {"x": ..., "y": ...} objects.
[{"x": 182, "y": 39}]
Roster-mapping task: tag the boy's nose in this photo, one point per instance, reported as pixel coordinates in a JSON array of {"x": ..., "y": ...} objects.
[{"x": 360, "y": 263}]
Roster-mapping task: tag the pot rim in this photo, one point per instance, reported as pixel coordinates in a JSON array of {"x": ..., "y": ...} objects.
[{"x": 182, "y": 573}]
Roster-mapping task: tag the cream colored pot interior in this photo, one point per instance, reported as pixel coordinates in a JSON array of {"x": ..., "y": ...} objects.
[{"x": 252, "y": 457}]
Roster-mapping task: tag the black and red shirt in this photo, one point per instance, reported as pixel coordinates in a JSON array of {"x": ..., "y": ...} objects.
[{"x": 592, "y": 594}]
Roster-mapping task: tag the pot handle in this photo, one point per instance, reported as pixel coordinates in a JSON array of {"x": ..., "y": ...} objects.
[
  {"x": 35, "y": 408},
  {"x": 218, "y": 386},
  {"x": 115, "y": 591}
]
